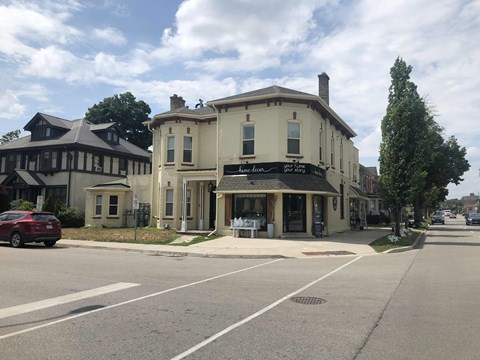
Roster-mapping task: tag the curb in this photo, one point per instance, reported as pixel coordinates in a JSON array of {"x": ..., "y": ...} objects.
[
  {"x": 406, "y": 248},
  {"x": 168, "y": 253}
]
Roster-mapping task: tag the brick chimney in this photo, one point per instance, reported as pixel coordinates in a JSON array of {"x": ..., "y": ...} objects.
[
  {"x": 323, "y": 91},
  {"x": 176, "y": 102}
]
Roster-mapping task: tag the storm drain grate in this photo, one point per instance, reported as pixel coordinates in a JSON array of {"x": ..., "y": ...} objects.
[
  {"x": 328, "y": 253},
  {"x": 308, "y": 300}
]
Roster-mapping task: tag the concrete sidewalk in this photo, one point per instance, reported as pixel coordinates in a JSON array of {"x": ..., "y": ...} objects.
[{"x": 345, "y": 243}]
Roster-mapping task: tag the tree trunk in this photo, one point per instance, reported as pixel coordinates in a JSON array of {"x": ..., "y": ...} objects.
[
  {"x": 418, "y": 210},
  {"x": 397, "y": 215}
]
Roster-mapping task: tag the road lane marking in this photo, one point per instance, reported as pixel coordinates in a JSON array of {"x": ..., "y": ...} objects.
[
  {"x": 133, "y": 300},
  {"x": 43, "y": 304},
  {"x": 258, "y": 313}
]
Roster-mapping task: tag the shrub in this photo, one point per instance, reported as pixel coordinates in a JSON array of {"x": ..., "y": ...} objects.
[
  {"x": 21, "y": 204},
  {"x": 70, "y": 217}
]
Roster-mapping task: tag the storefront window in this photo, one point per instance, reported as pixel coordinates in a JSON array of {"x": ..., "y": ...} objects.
[{"x": 251, "y": 206}]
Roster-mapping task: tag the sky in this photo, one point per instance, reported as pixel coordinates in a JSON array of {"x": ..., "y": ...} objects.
[{"x": 62, "y": 57}]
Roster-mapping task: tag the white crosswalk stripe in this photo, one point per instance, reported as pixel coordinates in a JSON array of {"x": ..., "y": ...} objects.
[{"x": 43, "y": 304}]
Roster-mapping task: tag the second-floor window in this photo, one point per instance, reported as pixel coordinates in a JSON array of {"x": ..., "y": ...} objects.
[
  {"x": 293, "y": 138},
  {"x": 98, "y": 163},
  {"x": 248, "y": 140},
  {"x": 11, "y": 163},
  {"x": 122, "y": 164},
  {"x": 187, "y": 149},
  {"x": 170, "y": 149},
  {"x": 48, "y": 160}
]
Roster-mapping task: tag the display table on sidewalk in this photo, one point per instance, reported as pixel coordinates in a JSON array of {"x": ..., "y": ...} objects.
[{"x": 238, "y": 225}]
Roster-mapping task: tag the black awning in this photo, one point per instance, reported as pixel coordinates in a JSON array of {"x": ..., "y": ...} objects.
[
  {"x": 275, "y": 183},
  {"x": 356, "y": 193}
]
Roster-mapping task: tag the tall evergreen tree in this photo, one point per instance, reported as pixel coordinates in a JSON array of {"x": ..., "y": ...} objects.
[
  {"x": 129, "y": 115},
  {"x": 401, "y": 151}
]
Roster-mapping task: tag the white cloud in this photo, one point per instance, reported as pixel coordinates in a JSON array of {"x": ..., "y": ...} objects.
[
  {"x": 248, "y": 35},
  {"x": 52, "y": 62},
  {"x": 29, "y": 24},
  {"x": 10, "y": 105},
  {"x": 110, "y": 35}
]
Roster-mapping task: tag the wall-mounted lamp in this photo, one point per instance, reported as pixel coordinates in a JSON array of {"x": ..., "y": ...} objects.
[
  {"x": 327, "y": 166},
  {"x": 210, "y": 187}
]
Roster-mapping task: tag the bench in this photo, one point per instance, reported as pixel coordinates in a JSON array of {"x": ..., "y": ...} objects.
[{"x": 247, "y": 225}]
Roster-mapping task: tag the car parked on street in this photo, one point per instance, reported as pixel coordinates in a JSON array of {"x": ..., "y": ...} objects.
[
  {"x": 20, "y": 227},
  {"x": 472, "y": 219},
  {"x": 438, "y": 219},
  {"x": 452, "y": 216}
]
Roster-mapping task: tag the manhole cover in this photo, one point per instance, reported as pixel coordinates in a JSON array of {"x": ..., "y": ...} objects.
[{"x": 308, "y": 300}]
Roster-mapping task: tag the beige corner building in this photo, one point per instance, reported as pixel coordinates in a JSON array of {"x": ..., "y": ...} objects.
[{"x": 276, "y": 155}]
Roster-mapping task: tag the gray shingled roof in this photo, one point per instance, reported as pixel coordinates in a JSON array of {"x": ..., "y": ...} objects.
[
  {"x": 52, "y": 120},
  {"x": 79, "y": 132},
  {"x": 274, "y": 182},
  {"x": 271, "y": 90},
  {"x": 103, "y": 126},
  {"x": 205, "y": 110},
  {"x": 28, "y": 177}
]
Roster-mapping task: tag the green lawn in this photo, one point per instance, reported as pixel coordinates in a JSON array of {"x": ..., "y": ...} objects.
[
  {"x": 146, "y": 235},
  {"x": 383, "y": 244}
]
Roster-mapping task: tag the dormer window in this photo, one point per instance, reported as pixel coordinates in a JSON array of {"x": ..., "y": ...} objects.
[
  {"x": 42, "y": 130},
  {"x": 112, "y": 137}
]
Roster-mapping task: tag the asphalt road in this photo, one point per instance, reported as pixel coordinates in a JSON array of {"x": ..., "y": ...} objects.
[{"x": 72, "y": 303}]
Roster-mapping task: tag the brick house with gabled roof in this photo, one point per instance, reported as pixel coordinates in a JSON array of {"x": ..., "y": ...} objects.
[{"x": 62, "y": 157}]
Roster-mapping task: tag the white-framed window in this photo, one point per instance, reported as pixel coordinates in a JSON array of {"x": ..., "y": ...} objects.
[
  {"x": 169, "y": 202},
  {"x": 113, "y": 205},
  {"x": 187, "y": 149},
  {"x": 98, "y": 205},
  {"x": 293, "y": 138},
  {"x": 248, "y": 139},
  {"x": 170, "y": 149}
]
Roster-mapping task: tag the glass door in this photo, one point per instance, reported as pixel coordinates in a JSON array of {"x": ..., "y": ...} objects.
[{"x": 294, "y": 209}]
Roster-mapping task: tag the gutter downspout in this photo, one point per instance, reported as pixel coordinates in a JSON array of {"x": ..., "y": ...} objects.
[{"x": 216, "y": 205}]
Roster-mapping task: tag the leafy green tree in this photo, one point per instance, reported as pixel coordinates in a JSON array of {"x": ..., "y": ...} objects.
[
  {"x": 127, "y": 113},
  {"x": 401, "y": 149},
  {"x": 9, "y": 136},
  {"x": 447, "y": 165}
]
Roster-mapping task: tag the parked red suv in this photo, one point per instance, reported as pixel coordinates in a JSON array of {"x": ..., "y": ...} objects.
[{"x": 20, "y": 227}]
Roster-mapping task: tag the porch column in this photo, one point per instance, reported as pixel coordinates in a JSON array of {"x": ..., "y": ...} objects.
[
  {"x": 202, "y": 210},
  {"x": 184, "y": 205}
]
